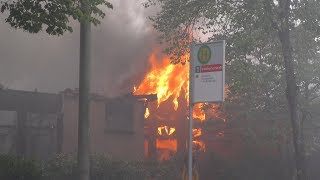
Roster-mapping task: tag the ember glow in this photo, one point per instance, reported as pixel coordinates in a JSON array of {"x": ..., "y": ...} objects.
[
  {"x": 166, "y": 130},
  {"x": 134, "y": 89},
  {"x": 147, "y": 113},
  {"x": 166, "y": 146},
  {"x": 168, "y": 81},
  {"x": 197, "y": 132},
  {"x": 171, "y": 84},
  {"x": 199, "y": 146}
]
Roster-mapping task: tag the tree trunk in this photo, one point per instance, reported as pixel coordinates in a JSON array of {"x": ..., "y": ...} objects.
[
  {"x": 304, "y": 117},
  {"x": 284, "y": 36},
  {"x": 291, "y": 92}
]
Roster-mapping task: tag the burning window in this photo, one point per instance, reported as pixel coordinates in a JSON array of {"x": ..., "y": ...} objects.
[{"x": 120, "y": 116}]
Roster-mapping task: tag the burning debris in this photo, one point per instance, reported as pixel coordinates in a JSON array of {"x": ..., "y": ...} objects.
[
  {"x": 147, "y": 113},
  {"x": 167, "y": 119},
  {"x": 168, "y": 81}
]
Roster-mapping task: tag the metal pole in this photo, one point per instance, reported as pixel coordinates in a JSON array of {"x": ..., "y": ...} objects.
[
  {"x": 190, "y": 116},
  {"x": 190, "y": 141},
  {"x": 84, "y": 91}
]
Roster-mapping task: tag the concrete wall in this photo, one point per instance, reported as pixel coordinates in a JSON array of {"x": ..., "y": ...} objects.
[{"x": 121, "y": 145}]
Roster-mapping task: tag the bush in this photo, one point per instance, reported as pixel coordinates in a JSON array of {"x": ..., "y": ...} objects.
[
  {"x": 104, "y": 168},
  {"x": 64, "y": 167},
  {"x": 165, "y": 170},
  {"x": 18, "y": 168}
]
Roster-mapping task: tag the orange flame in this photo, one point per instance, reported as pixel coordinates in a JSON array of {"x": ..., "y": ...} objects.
[
  {"x": 166, "y": 129},
  {"x": 134, "y": 88},
  {"x": 167, "y": 81},
  {"x": 167, "y": 146},
  {"x": 147, "y": 113},
  {"x": 198, "y": 112},
  {"x": 199, "y": 146},
  {"x": 170, "y": 81},
  {"x": 197, "y": 132}
]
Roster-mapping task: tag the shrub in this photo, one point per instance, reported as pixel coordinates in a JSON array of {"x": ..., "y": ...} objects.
[
  {"x": 164, "y": 170},
  {"x": 18, "y": 168},
  {"x": 61, "y": 166},
  {"x": 64, "y": 167}
]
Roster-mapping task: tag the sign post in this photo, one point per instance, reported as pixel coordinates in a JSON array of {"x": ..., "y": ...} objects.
[{"x": 207, "y": 79}]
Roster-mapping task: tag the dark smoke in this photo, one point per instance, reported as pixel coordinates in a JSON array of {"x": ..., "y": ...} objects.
[{"x": 120, "y": 49}]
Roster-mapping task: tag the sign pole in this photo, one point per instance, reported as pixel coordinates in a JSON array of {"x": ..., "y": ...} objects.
[
  {"x": 84, "y": 91},
  {"x": 190, "y": 141},
  {"x": 190, "y": 118},
  {"x": 206, "y": 81}
]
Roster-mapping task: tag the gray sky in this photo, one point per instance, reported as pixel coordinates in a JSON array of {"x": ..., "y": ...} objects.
[{"x": 120, "y": 49}]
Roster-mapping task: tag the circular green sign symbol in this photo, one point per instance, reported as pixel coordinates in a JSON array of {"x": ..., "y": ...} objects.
[{"x": 204, "y": 54}]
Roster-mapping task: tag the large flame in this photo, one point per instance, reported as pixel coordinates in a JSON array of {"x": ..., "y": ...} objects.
[{"x": 168, "y": 81}]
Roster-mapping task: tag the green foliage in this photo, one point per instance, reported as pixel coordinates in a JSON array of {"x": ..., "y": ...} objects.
[
  {"x": 18, "y": 168},
  {"x": 251, "y": 30},
  {"x": 64, "y": 167},
  {"x": 165, "y": 170},
  {"x": 51, "y": 15},
  {"x": 255, "y": 69}
]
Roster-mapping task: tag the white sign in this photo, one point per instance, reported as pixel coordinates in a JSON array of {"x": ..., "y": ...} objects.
[{"x": 207, "y": 72}]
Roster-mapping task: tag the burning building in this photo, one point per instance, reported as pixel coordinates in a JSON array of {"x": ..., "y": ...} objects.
[
  {"x": 150, "y": 122},
  {"x": 166, "y": 119}
]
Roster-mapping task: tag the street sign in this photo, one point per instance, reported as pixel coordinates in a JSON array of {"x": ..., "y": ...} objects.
[
  {"x": 207, "y": 72},
  {"x": 207, "y": 67}
]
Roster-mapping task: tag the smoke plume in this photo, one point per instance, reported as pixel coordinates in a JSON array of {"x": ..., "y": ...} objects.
[{"x": 120, "y": 49}]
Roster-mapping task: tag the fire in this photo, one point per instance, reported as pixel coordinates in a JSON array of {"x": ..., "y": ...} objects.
[
  {"x": 134, "y": 88},
  {"x": 167, "y": 144},
  {"x": 199, "y": 146},
  {"x": 197, "y": 132},
  {"x": 198, "y": 112},
  {"x": 167, "y": 147},
  {"x": 168, "y": 81},
  {"x": 171, "y": 84},
  {"x": 168, "y": 130},
  {"x": 147, "y": 113}
]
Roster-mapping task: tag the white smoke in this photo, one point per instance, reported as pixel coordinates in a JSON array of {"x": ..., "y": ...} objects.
[{"x": 120, "y": 49}]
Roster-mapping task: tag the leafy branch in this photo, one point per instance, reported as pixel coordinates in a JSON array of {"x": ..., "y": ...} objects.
[{"x": 34, "y": 16}]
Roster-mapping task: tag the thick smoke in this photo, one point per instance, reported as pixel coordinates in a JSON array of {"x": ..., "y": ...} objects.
[{"x": 120, "y": 49}]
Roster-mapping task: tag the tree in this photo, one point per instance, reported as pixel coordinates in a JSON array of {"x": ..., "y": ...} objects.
[
  {"x": 32, "y": 15},
  {"x": 52, "y": 15},
  {"x": 244, "y": 24}
]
